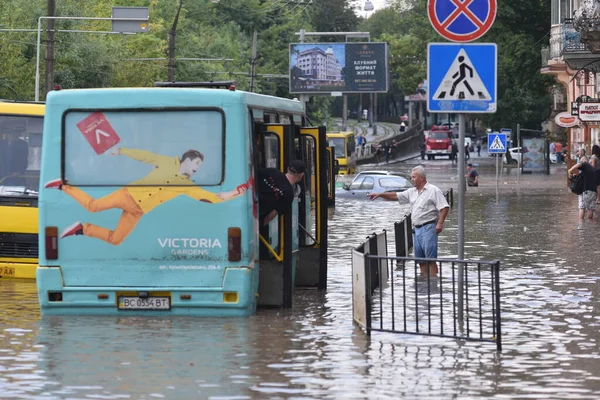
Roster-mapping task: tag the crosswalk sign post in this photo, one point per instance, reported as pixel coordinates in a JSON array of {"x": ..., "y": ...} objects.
[
  {"x": 462, "y": 79},
  {"x": 497, "y": 142},
  {"x": 497, "y": 146}
]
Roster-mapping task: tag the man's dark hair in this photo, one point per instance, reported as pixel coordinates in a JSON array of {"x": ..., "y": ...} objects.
[
  {"x": 192, "y": 155},
  {"x": 469, "y": 165}
]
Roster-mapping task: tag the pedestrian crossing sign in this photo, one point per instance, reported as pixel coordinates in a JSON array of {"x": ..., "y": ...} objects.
[
  {"x": 496, "y": 143},
  {"x": 462, "y": 77}
]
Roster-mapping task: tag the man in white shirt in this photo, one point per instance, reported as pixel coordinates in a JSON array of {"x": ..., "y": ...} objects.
[{"x": 428, "y": 213}]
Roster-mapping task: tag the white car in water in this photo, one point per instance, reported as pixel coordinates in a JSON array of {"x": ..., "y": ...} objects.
[{"x": 374, "y": 182}]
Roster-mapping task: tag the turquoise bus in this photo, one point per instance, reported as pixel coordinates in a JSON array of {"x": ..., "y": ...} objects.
[{"x": 148, "y": 204}]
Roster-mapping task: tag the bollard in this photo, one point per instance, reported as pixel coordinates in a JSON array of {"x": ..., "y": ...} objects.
[{"x": 374, "y": 130}]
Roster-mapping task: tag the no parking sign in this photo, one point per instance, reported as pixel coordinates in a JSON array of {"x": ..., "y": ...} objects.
[{"x": 462, "y": 20}]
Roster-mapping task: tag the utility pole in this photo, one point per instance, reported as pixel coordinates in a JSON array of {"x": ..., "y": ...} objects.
[
  {"x": 253, "y": 60},
  {"x": 172, "y": 34},
  {"x": 49, "y": 78}
]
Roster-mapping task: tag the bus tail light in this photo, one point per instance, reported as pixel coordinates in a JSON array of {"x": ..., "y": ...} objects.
[
  {"x": 234, "y": 244},
  {"x": 52, "y": 243}
]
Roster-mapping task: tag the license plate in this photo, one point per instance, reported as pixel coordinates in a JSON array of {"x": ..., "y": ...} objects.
[
  {"x": 7, "y": 271},
  {"x": 144, "y": 303}
]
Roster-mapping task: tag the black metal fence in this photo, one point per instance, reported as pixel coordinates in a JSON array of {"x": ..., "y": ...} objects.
[
  {"x": 394, "y": 294},
  {"x": 461, "y": 301}
]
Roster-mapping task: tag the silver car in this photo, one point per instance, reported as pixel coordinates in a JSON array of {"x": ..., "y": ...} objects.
[{"x": 374, "y": 182}]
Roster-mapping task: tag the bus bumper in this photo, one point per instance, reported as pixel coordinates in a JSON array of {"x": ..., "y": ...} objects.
[
  {"x": 236, "y": 298},
  {"x": 18, "y": 270}
]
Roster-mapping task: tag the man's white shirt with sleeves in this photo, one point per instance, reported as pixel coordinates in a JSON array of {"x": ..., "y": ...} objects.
[{"x": 426, "y": 206}]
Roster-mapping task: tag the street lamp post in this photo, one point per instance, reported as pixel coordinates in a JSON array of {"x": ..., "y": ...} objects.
[{"x": 39, "y": 31}]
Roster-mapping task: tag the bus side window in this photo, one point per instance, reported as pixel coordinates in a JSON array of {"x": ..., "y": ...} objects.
[{"x": 270, "y": 151}]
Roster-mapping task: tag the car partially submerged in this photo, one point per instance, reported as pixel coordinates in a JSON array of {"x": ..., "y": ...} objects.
[{"x": 374, "y": 182}]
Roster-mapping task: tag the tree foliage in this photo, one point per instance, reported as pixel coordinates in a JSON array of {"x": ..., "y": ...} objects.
[{"x": 223, "y": 31}]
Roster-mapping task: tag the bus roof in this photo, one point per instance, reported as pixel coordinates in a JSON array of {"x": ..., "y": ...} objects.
[
  {"x": 168, "y": 96},
  {"x": 21, "y": 108}
]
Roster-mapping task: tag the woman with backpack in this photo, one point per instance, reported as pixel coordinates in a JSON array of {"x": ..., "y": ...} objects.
[
  {"x": 595, "y": 161},
  {"x": 587, "y": 198}
]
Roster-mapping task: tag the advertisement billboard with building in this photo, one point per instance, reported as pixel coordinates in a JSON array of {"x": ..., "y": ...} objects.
[{"x": 338, "y": 67}]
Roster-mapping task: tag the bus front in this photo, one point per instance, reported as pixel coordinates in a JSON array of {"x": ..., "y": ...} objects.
[
  {"x": 146, "y": 204},
  {"x": 20, "y": 156},
  {"x": 345, "y": 151}
]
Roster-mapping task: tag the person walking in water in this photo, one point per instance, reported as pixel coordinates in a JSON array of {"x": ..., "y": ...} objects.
[
  {"x": 462, "y": 74},
  {"x": 428, "y": 213}
]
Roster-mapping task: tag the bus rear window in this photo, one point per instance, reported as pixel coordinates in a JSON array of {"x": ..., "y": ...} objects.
[
  {"x": 20, "y": 154},
  {"x": 144, "y": 148}
]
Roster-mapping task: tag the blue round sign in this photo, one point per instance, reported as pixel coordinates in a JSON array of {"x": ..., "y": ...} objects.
[{"x": 462, "y": 20}]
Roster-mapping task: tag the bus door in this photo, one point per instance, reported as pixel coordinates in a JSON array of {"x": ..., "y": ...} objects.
[
  {"x": 350, "y": 143},
  {"x": 330, "y": 162},
  {"x": 278, "y": 247},
  {"x": 312, "y": 268}
]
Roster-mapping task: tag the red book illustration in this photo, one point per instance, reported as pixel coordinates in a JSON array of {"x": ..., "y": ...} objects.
[{"x": 97, "y": 131}]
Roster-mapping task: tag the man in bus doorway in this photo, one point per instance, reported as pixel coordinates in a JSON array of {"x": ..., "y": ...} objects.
[
  {"x": 276, "y": 190},
  {"x": 143, "y": 195},
  {"x": 428, "y": 213}
]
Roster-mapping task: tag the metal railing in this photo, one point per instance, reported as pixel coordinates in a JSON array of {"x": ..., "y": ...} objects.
[
  {"x": 395, "y": 294},
  {"x": 571, "y": 39},
  {"x": 418, "y": 304}
]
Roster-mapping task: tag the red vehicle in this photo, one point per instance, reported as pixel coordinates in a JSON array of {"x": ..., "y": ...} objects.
[{"x": 438, "y": 141}]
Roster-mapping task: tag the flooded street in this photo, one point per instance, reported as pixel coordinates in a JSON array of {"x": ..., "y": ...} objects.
[{"x": 550, "y": 287}]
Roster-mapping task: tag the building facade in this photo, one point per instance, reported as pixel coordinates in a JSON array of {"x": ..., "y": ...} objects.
[
  {"x": 319, "y": 64},
  {"x": 573, "y": 58}
]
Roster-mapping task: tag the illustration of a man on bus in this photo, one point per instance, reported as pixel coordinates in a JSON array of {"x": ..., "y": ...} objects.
[{"x": 143, "y": 195}]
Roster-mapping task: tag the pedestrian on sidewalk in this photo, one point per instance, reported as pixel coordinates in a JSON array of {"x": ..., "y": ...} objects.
[
  {"x": 558, "y": 148},
  {"x": 595, "y": 162},
  {"x": 388, "y": 152},
  {"x": 360, "y": 141},
  {"x": 587, "y": 199},
  {"x": 423, "y": 148},
  {"x": 478, "y": 147},
  {"x": 428, "y": 213},
  {"x": 454, "y": 152}
]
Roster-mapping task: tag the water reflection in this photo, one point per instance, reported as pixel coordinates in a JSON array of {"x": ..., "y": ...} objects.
[{"x": 550, "y": 306}]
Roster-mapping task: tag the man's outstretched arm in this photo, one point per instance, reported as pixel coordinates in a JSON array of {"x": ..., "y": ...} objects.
[{"x": 391, "y": 196}]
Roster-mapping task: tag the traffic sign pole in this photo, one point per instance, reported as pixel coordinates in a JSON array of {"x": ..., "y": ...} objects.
[
  {"x": 521, "y": 155},
  {"x": 497, "y": 176},
  {"x": 467, "y": 85},
  {"x": 461, "y": 214}
]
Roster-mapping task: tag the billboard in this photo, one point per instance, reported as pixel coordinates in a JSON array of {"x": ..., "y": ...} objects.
[{"x": 338, "y": 67}]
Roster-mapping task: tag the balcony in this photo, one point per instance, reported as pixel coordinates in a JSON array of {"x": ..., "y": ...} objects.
[
  {"x": 575, "y": 52},
  {"x": 586, "y": 21}
]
